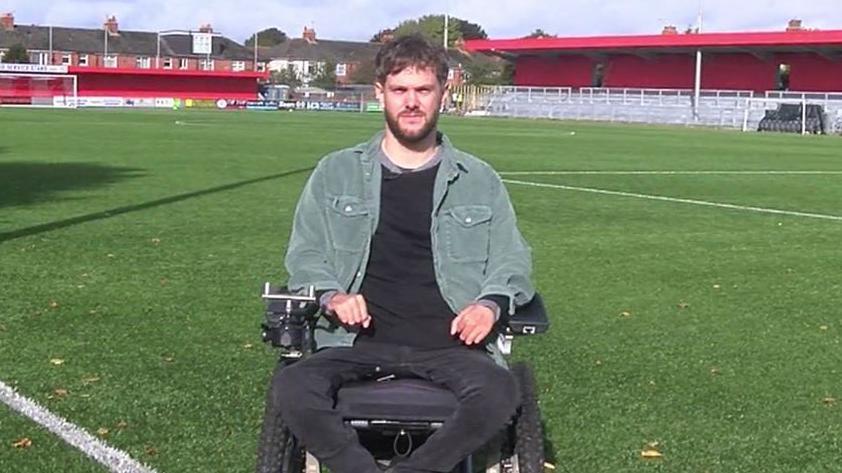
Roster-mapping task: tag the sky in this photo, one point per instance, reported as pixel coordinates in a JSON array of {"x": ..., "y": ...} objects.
[{"x": 358, "y": 20}]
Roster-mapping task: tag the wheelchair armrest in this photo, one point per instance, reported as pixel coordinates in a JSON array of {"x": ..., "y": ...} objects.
[
  {"x": 279, "y": 300},
  {"x": 529, "y": 319}
]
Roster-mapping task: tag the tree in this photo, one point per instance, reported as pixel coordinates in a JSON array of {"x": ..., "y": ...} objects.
[
  {"x": 539, "y": 33},
  {"x": 432, "y": 28},
  {"x": 507, "y": 75},
  {"x": 286, "y": 76},
  {"x": 481, "y": 70},
  {"x": 482, "y": 73},
  {"x": 381, "y": 35},
  {"x": 268, "y": 37},
  {"x": 325, "y": 77},
  {"x": 470, "y": 30},
  {"x": 364, "y": 73},
  {"x": 17, "y": 54}
]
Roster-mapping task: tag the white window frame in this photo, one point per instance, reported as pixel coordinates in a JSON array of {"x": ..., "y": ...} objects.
[
  {"x": 261, "y": 67},
  {"x": 83, "y": 60},
  {"x": 206, "y": 64},
  {"x": 167, "y": 63},
  {"x": 109, "y": 61},
  {"x": 143, "y": 62},
  {"x": 2, "y": 55},
  {"x": 183, "y": 63},
  {"x": 40, "y": 57},
  {"x": 238, "y": 66},
  {"x": 341, "y": 69},
  {"x": 66, "y": 59}
]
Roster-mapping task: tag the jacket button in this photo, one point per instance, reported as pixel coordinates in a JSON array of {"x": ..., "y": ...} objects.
[
  {"x": 467, "y": 219},
  {"x": 348, "y": 208}
]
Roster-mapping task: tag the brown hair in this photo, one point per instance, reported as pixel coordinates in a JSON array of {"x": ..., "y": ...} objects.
[{"x": 410, "y": 51}]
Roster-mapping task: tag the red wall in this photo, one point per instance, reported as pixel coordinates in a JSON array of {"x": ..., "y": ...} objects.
[
  {"x": 810, "y": 72},
  {"x": 25, "y": 87},
  {"x": 571, "y": 71},
  {"x": 115, "y": 85},
  {"x": 671, "y": 71},
  {"x": 738, "y": 72}
]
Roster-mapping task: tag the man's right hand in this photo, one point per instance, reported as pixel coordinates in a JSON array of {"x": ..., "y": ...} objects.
[{"x": 350, "y": 309}]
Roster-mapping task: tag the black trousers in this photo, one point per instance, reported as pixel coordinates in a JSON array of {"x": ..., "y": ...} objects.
[{"x": 305, "y": 393}]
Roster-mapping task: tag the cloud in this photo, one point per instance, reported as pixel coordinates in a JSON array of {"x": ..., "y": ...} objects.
[{"x": 360, "y": 19}]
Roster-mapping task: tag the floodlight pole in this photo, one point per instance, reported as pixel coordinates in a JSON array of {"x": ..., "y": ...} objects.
[
  {"x": 255, "y": 52},
  {"x": 51, "y": 44},
  {"x": 446, "y": 21},
  {"x": 158, "y": 52},
  {"x": 697, "y": 86}
]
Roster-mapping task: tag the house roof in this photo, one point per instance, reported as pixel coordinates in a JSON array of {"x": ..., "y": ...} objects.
[
  {"x": 346, "y": 52},
  {"x": 321, "y": 50},
  {"x": 84, "y": 40}
]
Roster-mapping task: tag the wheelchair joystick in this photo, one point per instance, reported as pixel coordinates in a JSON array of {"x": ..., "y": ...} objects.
[{"x": 287, "y": 320}]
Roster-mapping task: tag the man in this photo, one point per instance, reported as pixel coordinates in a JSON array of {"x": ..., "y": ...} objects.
[{"x": 415, "y": 251}]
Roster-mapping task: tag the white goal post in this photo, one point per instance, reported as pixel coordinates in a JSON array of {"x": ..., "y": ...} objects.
[
  {"x": 805, "y": 110},
  {"x": 38, "y": 90}
]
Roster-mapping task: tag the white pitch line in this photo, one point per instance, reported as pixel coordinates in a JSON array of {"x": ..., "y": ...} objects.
[
  {"x": 117, "y": 461},
  {"x": 667, "y": 173},
  {"x": 676, "y": 199}
]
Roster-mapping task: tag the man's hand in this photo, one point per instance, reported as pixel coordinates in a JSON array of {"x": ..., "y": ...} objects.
[
  {"x": 350, "y": 309},
  {"x": 473, "y": 324}
]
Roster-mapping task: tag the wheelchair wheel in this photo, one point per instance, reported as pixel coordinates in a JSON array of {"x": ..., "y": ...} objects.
[
  {"x": 528, "y": 434},
  {"x": 278, "y": 451}
]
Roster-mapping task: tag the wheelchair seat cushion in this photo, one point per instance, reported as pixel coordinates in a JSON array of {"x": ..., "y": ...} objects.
[{"x": 397, "y": 399}]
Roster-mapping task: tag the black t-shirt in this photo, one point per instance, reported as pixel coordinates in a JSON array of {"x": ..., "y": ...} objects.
[{"x": 399, "y": 286}]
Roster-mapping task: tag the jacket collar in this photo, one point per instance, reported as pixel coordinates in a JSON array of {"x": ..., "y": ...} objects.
[{"x": 451, "y": 159}]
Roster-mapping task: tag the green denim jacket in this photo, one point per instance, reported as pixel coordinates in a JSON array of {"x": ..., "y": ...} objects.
[{"x": 477, "y": 247}]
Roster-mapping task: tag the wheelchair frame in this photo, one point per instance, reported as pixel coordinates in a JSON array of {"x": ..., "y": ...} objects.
[{"x": 289, "y": 323}]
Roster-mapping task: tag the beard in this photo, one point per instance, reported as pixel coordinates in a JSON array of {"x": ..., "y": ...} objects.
[{"x": 416, "y": 136}]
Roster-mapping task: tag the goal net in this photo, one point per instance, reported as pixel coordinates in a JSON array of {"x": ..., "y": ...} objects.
[
  {"x": 804, "y": 116},
  {"x": 38, "y": 90}
]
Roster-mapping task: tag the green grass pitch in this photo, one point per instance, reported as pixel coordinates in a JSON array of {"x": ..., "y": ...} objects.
[{"x": 133, "y": 245}]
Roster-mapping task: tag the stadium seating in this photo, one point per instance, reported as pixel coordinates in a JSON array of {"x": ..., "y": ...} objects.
[{"x": 718, "y": 108}]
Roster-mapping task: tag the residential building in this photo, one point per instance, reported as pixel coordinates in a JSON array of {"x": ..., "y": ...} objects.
[{"x": 110, "y": 47}]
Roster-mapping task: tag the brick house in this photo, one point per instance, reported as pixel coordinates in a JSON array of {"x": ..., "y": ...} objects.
[
  {"x": 307, "y": 54},
  {"x": 110, "y": 47}
]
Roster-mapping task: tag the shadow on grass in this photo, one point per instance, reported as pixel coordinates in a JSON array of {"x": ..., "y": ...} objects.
[
  {"x": 23, "y": 183},
  {"x": 34, "y": 230}
]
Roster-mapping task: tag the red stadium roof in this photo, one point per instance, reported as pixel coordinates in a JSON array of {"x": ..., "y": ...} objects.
[
  {"x": 791, "y": 40},
  {"x": 166, "y": 72}
]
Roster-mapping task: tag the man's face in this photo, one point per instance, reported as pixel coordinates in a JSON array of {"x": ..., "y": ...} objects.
[{"x": 411, "y": 99}]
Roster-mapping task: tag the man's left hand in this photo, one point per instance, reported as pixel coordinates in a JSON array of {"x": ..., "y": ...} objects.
[{"x": 473, "y": 324}]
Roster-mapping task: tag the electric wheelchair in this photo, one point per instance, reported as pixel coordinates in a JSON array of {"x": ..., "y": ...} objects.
[{"x": 393, "y": 416}]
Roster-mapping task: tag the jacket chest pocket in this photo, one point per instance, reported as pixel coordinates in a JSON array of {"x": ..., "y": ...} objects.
[
  {"x": 347, "y": 218},
  {"x": 468, "y": 231}
]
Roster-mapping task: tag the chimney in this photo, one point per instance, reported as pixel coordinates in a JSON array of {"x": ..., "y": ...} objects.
[
  {"x": 794, "y": 25},
  {"x": 309, "y": 35},
  {"x": 206, "y": 28},
  {"x": 111, "y": 26},
  {"x": 669, "y": 29},
  {"x": 7, "y": 22}
]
